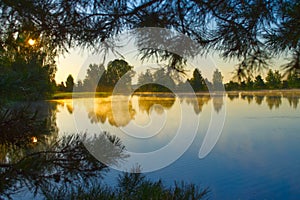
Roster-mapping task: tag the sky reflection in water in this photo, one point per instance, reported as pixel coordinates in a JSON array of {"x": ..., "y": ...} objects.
[{"x": 256, "y": 157}]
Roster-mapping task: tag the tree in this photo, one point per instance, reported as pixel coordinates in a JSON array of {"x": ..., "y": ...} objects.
[
  {"x": 79, "y": 85},
  {"x": 119, "y": 70},
  {"x": 273, "y": 79},
  {"x": 27, "y": 65},
  {"x": 232, "y": 86},
  {"x": 293, "y": 80},
  {"x": 249, "y": 83},
  {"x": 243, "y": 30},
  {"x": 197, "y": 81},
  {"x": 145, "y": 81},
  {"x": 95, "y": 77},
  {"x": 146, "y": 77},
  {"x": 70, "y": 83},
  {"x": 259, "y": 83},
  {"x": 217, "y": 81}
]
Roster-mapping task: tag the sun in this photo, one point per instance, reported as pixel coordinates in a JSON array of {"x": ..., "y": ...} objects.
[{"x": 31, "y": 42}]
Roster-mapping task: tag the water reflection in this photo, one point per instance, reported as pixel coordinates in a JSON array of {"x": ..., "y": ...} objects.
[
  {"x": 103, "y": 111},
  {"x": 233, "y": 95},
  {"x": 272, "y": 98},
  {"x": 34, "y": 157},
  {"x": 292, "y": 99},
  {"x": 198, "y": 103},
  {"x": 121, "y": 112},
  {"x": 218, "y": 103},
  {"x": 259, "y": 99},
  {"x": 273, "y": 101},
  {"x": 146, "y": 103}
]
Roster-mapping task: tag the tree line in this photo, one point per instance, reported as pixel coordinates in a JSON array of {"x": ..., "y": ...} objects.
[
  {"x": 101, "y": 79},
  {"x": 33, "y": 33},
  {"x": 273, "y": 80}
]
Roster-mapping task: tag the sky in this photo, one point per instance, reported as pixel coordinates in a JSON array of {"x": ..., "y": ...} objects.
[{"x": 77, "y": 61}]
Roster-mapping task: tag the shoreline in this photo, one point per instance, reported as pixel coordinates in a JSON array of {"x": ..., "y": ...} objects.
[{"x": 71, "y": 95}]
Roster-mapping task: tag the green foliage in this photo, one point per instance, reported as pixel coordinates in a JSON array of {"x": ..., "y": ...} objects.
[
  {"x": 104, "y": 80},
  {"x": 273, "y": 79},
  {"x": 96, "y": 76},
  {"x": 159, "y": 81},
  {"x": 133, "y": 186},
  {"x": 26, "y": 71},
  {"x": 293, "y": 80},
  {"x": 119, "y": 72}
]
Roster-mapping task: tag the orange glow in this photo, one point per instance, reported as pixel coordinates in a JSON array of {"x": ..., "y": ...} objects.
[
  {"x": 34, "y": 139},
  {"x": 31, "y": 42}
]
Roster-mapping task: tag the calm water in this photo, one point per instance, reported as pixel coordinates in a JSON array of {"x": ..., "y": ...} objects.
[{"x": 256, "y": 157}]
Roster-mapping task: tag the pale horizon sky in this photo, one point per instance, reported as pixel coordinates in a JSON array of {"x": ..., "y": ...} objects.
[{"x": 76, "y": 62}]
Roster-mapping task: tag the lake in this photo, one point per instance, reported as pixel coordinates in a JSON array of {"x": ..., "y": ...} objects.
[{"x": 256, "y": 155}]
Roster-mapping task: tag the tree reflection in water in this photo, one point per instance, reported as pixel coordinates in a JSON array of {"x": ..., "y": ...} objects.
[
  {"x": 199, "y": 102},
  {"x": 218, "y": 102},
  {"x": 146, "y": 103},
  {"x": 292, "y": 98},
  {"x": 272, "y": 98},
  {"x": 273, "y": 101},
  {"x": 102, "y": 111},
  {"x": 34, "y": 157},
  {"x": 259, "y": 99},
  {"x": 233, "y": 95}
]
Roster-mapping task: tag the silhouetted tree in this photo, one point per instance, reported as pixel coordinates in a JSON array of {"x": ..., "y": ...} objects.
[
  {"x": 293, "y": 80},
  {"x": 217, "y": 80},
  {"x": 259, "y": 82},
  {"x": 273, "y": 79},
  {"x": 95, "y": 77},
  {"x": 70, "y": 83},
  {"x": 243, "y": 30},
  {"x": 119, "y": 70},
  {"x": 197, "y": 81}
]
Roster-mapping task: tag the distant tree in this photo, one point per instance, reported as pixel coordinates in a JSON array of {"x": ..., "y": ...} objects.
[
  {"x": 217, "y": 80},
  {"x": 95, "y": 76},
  {"x": 61, "y": 87},
  {"x": 197, "y": 81},
  {"x": 293, "y": 80},
  {"x": 79, "y": 85},
  {"x": 232, "y": 86},
  {"x": 259, "y": 83},
  {"x": 119, "y": 70},
  {"x": 163, "y": 81},
  {"x": 208, "y": 84},
  {"x": 145, "y": 81},
  {"x": 249, "y": 83},
  {"x": 70, "y": 83},
  {"x": 273, "y": 79}
]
